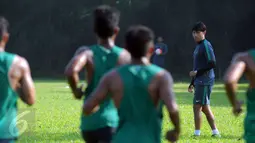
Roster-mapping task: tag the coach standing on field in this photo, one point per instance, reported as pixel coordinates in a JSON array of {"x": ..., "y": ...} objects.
[
  {"x": 202, "y": 78},
  {"x": 161, "y": 49}
]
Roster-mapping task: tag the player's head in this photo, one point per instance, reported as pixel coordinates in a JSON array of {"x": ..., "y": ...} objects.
[
  {"x": 160, "y": 39},
  {"x": 106, "y": 22},
  {"x": 4, "y": 35},
  {"x": 139, "y": 41},
  {"x": 199, "y": 31}
]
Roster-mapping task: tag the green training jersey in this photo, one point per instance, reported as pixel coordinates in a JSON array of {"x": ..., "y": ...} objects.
[
  {"x": 8, "y": 99},
  {"x": 249, "y": 123},
  {"x": 140, "y": 120},
  {"x": 103, "y": 61}
]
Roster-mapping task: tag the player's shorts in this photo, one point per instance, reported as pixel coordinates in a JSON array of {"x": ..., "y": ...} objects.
[
  {"x": 103, "y": 135},
  {"x": 202, "y": 94},
  {"x": 7, "y": 140}
]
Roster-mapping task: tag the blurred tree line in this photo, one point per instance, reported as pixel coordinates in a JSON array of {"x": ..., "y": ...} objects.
[{"x": 48, "y": 32}]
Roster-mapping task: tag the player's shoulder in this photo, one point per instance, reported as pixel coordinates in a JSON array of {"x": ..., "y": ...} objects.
[
  {"x": 17, "y": 59},
  {"x": 21, "y": 62},
  {"x": 243, "y": 55},
  {"x": 158, "y": 71},
  {"x": 206, "y": 41},
  {"x": 207, "y": 44},
  {"x": 118, "y": 48},
  {"x": 84, "y": 50},
  {"x": 124, "y": 57},
  {"x": 164, "y": 76},
  {"x": 20, "y": 58}
]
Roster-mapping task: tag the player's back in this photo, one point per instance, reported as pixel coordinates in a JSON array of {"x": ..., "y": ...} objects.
[
  {"x": 103, "y": 60},
  {"x": 8, "y": 99},
  {"x": 140, "y": 119}
]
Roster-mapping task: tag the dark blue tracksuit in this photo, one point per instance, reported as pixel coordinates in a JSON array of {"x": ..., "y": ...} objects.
[{"x": 204, "y": 63}]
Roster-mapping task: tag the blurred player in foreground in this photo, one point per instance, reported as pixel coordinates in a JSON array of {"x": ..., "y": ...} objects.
[
  {"x": 243, "y": 63},
  {"x": 139, "y": 90},
  {"x": 15, "y": 82},
  {"x": 97, "y": 60},
  {"x": 202, "y": 78}
]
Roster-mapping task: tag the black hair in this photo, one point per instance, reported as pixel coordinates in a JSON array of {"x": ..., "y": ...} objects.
[
  {"x": 137, "y": 39},
  {"x": 4, "y": 24},
  {"x": 199, "y": 26},
  {"x": 106, "y": 19}
]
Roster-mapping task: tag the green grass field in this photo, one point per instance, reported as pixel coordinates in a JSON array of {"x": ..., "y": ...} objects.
[{"x": 57, "y": 116}]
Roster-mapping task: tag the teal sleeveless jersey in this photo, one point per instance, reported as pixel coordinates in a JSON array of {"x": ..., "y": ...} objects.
[
  {"x": 140, "y": 120},
  {"x": 249, "y": 124},
  {"x": 103, "y": 60},
  {"x": 8, "y": 99},
  {"x": 251, "y": 94}
]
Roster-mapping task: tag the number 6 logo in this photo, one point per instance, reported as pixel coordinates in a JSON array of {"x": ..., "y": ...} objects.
[{"x": 13, "y": 124}]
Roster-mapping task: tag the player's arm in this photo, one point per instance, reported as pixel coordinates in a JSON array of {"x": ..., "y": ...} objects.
[
  {"x": 167, "y": 95},
  {"x": 73, "y": 68},
  {"x": 99, "y": 93},
  {"x": 210, "y": 58},
  {"x": 192, "y": 82},
  {"x": 232, "y": 76},
  {"x": 26, "y": 90}
]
